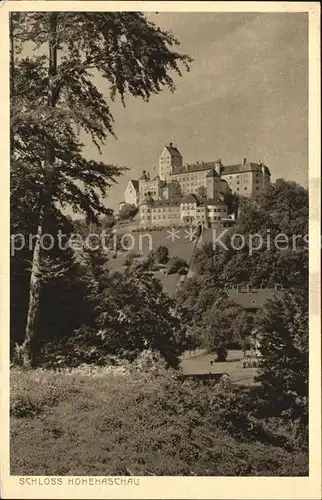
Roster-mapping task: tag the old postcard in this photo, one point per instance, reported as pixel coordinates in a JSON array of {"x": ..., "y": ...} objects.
[{"x": 160, "y": 265}]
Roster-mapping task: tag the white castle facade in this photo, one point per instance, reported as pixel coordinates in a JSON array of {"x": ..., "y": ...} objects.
[{"x": 192, "y": 193}]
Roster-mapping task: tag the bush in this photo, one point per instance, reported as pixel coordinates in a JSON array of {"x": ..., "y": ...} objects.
[
  {"x": 32, "y": 392},
  {"x": 127, "y": 212},
  {"x": 175, "y": 264},
  {"x": 131, "y": 257},
  {"x": 145, "y": 423}
]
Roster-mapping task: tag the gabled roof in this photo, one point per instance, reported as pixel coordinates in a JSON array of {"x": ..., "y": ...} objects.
[
  {"x": 191, "y": 198},
  {"x": 173, "y": 187},
  {"x": 135, "y": 184},
  {"x": 247, "y": 167},
  {"x": 212, "y": 173},
  {"x": 173, "y": 150}
]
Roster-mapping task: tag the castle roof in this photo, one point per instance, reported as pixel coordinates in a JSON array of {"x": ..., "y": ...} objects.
[
  {"x": 135, "y": 184},
  {"x": 167, "y": 203},
  {"x": 202, "y": 165},
  {"x": 191, "y": 198},
  {"x": 247, "y": 167},
  {"x": 211, "y": 202},
  {"x": 173, "y": 150},
  {"x": 212, "y": 173},
  {"x": 173, "y": 187},
  {"x": 214, "y": 201}
]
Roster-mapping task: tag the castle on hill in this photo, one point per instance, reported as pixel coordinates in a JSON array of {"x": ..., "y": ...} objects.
[{"x": 192, "y": 193}]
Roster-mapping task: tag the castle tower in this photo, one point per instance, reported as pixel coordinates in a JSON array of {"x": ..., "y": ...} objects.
[{"x": 169, "y": 161}]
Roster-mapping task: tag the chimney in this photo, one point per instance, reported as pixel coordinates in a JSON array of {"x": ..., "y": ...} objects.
[
  {"x": 218, "y": 165},
  {"x": 244, "y": 161}
]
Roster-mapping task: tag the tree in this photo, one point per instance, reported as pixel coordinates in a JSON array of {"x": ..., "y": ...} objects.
[
  {"x": 220, "y": 326},
  {"x": 162, "y": 254},
  {"x": 130, "y": 313},
  {"x": 127, "y": 212},
  {"x": 202, "y": 193},
  {"x": 232, "y": 202},
  {"x": 54, "y": 99},
  {"x": 268, "y": 264},
  {"x": 284, "y": 348},
  {"x": 108, "y": 221}
]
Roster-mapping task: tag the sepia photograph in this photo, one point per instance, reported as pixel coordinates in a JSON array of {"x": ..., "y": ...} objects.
[{"x": 159, "y": 245}]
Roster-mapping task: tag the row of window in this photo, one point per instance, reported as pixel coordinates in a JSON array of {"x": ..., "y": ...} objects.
[
  {"x": 246, "y": 180},
  {"x": 189, "y": 177},
  {"x": 177, "y": 214},
  {"x": 237, "y": 176},
  {"x": 171, "y": 209},
  {"x": 257, "y": 188},
  {"x": 166, "y": 216},
  {"x": 176, "y": 217}
]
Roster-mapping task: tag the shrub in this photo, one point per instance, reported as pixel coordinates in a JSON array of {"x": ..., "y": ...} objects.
[
  {"x": 162, "y": 254},
  {"x": 32, "y": 392},
  {"x": 131, "y": 256},
  {"x": 175, "y": 264},
  {"x": 128, "y": 212},
  {"x": 148, "y": 422}
]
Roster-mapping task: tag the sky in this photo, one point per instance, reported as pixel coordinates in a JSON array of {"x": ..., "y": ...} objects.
[{"x": 245, "y": 96}]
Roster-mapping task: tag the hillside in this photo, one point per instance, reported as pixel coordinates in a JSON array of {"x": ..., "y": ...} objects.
[{"x": 181, "y": 246}]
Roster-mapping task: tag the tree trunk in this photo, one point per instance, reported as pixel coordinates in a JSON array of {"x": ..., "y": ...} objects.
[
  {"x": 34, "y": 296},
  {"x": 35, "y": 277}
]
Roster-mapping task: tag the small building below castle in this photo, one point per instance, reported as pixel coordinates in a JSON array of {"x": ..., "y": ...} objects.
[{"x": 181, "y": 211}]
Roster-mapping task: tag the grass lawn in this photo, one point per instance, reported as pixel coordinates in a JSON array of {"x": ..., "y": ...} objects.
[{"x": 232, "y": 366}]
